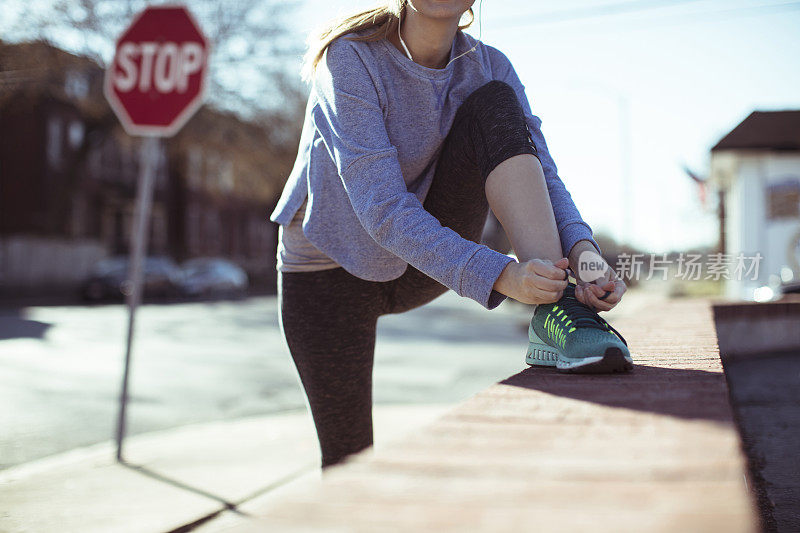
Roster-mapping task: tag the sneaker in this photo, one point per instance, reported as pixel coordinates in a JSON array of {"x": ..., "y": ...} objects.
[{"x": 572, "y": 337}]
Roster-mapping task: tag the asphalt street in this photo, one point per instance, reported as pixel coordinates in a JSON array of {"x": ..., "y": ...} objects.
[{"x": 61, "y": 366}]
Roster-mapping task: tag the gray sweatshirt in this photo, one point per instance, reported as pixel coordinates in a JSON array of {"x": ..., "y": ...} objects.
[{"x": 374, "y": 126}]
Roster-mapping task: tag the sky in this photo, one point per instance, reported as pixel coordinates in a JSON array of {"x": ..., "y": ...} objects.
[
  {"x": 628, "y": 92},
  {"x": 671, "y": 77}
]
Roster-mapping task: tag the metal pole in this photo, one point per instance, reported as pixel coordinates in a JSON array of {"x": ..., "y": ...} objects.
[
  {"x": 626, "y": 191},
  {"x": 148, "y": 156}
]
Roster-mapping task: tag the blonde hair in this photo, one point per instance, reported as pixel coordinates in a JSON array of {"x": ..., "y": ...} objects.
[{"x": 384, "y": 19}]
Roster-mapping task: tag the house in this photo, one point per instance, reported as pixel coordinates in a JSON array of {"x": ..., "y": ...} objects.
[
  {"x": 756, "y": 168},
  {"x": 67, "y": 171},
  {"x": 68, "y": 175},
  {"x": 225, "y": 182}
]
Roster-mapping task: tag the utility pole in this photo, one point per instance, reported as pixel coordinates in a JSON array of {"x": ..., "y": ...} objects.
[
  {"x": 626, "y": 178},
  {"x": 625, "y": 185}
]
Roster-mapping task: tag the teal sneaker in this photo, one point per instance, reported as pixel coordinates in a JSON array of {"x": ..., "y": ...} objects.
[{"x": 572, "y": 337}]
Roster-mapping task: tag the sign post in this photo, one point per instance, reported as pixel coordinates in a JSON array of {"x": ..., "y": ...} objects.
[{"x": 154, "y": 85}]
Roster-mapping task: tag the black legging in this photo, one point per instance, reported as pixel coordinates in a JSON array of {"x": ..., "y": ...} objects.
[{"x": 329, "y": 317}]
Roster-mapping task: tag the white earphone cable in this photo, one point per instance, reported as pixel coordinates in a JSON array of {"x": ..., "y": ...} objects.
[{"x": 408, "y": 52}]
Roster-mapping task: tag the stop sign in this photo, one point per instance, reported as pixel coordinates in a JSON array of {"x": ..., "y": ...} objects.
[{"x": 157, "y": 78}]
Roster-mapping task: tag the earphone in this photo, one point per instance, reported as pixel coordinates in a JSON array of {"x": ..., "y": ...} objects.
[
  {"x": 399, "y": 22},
  {"x": 408, "y": 53}
]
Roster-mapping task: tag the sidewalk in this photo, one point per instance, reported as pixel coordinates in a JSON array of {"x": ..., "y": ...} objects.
[
  {"x": 656, "y": 450},
  {"x": 176, "y": 477}
]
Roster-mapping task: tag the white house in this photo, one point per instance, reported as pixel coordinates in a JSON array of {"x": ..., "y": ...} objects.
[{"x": 756, "y": 167}]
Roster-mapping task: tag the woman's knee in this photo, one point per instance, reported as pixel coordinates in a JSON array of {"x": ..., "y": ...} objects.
[
  {"x": 494, "y": 87},
  {"x": 490, "y": 98},
  {"x": 493, "y": 120}
]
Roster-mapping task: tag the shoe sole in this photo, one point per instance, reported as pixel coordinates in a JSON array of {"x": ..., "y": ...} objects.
[
  {"x": 612, "y": 361},
  {"x": 541, "y": 355}
]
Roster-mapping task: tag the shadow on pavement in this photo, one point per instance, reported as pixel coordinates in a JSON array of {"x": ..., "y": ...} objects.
[
  {"x": 226, "y": 505},
  {"x": 13, "y": 326},
  {"x": 674, "y": 392}
]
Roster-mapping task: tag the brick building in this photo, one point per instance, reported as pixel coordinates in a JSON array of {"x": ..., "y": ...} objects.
[{"x": 68, "y": 178}]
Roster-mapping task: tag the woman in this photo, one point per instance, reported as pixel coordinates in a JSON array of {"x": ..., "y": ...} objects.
[{"x": 413, "y": 130}]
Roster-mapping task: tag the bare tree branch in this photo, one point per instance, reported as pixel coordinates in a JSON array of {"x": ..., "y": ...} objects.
[{"x": 250, "y": 38}]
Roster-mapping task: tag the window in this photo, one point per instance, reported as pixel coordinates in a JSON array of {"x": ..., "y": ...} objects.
[
  {"x": 226, "y": 176},
  {"x": 783, "y": 199},
  {"x": 75, "y": 134},
  {"x": 76, "y": 84},
  {"x": 54, "y": 142},
  {"x": 212, "y": 170}
]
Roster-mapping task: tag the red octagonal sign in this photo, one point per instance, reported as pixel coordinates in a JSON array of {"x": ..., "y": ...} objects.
[{"x": 157, "y": 78}]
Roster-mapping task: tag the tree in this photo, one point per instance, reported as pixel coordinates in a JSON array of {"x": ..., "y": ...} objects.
[{"x": 254, "y": 63}]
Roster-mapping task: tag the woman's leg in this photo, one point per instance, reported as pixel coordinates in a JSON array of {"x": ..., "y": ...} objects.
[
  {"x": 487, "y": 153},
  {"x": 328, "y": 318},
  {"x": 517, "y": 192}
]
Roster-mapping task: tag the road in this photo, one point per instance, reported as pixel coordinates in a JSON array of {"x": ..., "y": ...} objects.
[{"x": 61, "y": 366}]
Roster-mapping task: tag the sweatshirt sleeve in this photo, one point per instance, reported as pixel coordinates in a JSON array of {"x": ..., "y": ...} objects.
[
  {"x": 349, "y": 116},
  {"x": 571, "y": 227}
]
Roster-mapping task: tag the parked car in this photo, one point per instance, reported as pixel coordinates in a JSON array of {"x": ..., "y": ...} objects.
[
  {"x": 212, "y": 276},
  {"x": 790, "y": 287},
  {"x": 109, "y": 279}
]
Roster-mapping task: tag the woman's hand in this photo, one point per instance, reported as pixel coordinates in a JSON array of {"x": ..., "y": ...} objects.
[
  {"x": 538, "y": 281},
  {"x": 591, "y": 292}
]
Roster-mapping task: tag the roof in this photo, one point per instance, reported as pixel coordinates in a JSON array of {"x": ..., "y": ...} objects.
[
  {"x": 764, "y": 130},
  {"x": 38, "y": 69}
]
